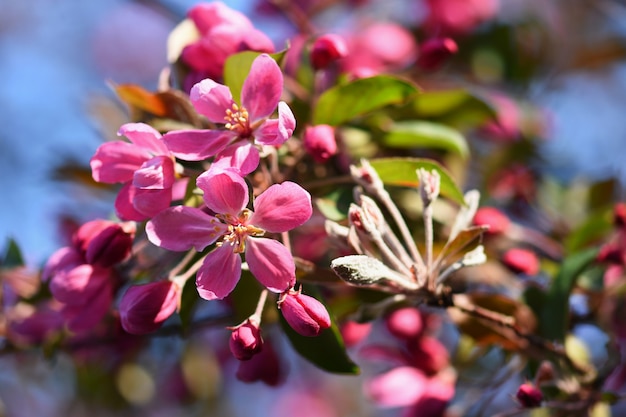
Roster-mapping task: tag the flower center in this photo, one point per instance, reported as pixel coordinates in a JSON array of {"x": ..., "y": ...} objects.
[
  {"x": 238, "y": 230},
  {"x": 237, "y": 120}
]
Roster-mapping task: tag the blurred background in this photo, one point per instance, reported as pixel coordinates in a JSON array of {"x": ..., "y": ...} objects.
[{"x": 58, "y": 60}]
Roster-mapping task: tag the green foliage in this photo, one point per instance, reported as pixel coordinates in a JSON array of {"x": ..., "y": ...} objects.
[
  {"x": 402, "y": 172},
  {"x": 343, "y": 103},
  {"x": 12, "y": 256},
  {"x": 422, "y": 134},
  {"x": 456, "y": 107},
  {"x": 335, "y": 205},
  {"x": 554, "y": 306}
]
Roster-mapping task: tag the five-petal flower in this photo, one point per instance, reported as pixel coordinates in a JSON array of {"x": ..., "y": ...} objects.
[
  {"x": 236, "y": 230},
  {"x": 241, "y": 125},
  {"x": 145, "y": 166}
]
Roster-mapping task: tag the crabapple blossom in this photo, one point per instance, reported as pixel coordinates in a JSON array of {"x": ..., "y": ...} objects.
[
  {"x": 319, "y": 142},
  {"x": 521, "y": 260},
  {"x": 529, "y": 396},
  {"x": 305, "y": 314},
  {"x": 435, "y": 51},
  {"x": 327, "y": 49},
  {"x": 244, "y": 124},
  {"x": 146, "y": 168},
  {"x": 222, "y": 32},
  {"x": 143, "y": 308},
  {"x": 236, "y": 230},
  {"x": 497, "y": 221},
  {"x": 245, "y": 340}
]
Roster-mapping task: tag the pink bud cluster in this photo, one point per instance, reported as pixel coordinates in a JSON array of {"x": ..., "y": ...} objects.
[
  {"x": 82, "y": 276},
  {"x": 419, "y": 380}
]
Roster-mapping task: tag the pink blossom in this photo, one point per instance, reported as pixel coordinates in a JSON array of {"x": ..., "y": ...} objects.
[
  {"x": 305, "y": 314},
  {"x": 405, "y": 323},
  {"x": 328, "y": 49},
  {"x": 104, "y": 242},
  {"x": 459, "y": 16},
  {"x": 236, "y": 230},
  {"x": 265, "y": 366},
  {"x": 497, "y": 221},
  {"x": 145, "y": 166},
  {"x": 246, "y": 341},
  {"x": 521, "y": 260},
  {"x": 435, "y": 52},
  {"x": 378, "y": 48},
  {"x": 529, "y": 396},
  {"x": 319, "y": 142},
  {"x": 144, "y": 308},
  {"x": 223, "y": 32},
  {"x": 243, "y": 125}
]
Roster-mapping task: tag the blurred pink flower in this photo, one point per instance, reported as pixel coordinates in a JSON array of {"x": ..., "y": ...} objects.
[
  {"x": 497, "y": 221},
  {"x": 319, "y": 142},
  {"x": 223, "y": 32},
  {"x": 434, "y": 52},
  {"x": 264, "y": 366},
  {"x": 521, "y": 261},
  {"x": 144, "y": 308},
  {"x": 405, "y": 323},
  {"x": 146, "y": 168},
  {"x": 280, "y": 208},
  {"x": 245, "y": 125},
  {"x": 378, "y": 48},
  {"x": 327, "y": 49},
  {"x": 459, "y": 16},
  {"x": 104, "y": 242}
]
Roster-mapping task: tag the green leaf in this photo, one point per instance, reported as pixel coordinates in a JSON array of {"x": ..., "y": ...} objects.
[
  {"x": 454, "y": 107},
  {"x": 12, "y": 256},
  {"x": 402, "y": 172},
  {"x": 334, "y": 206},
  {"x": 422, "y": 134},
  {"x": 326, "y": 351},
  {"x": 342, "y": 103},
  {"x": 554, "y": 315},
  {"x": 466, "y": 240},
  {"x": 237, "y": 67}
]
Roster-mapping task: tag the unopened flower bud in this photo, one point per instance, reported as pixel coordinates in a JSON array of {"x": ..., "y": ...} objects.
[
  {"x": 529, "y": 396},
  {"x": 430, "y": 355},
  {"x": 354, "y": 332},
  {"x": 521, "y": 261},
  {"x": 105, "y": 243},
  {"x": 144, "y": 308},
  {"x": 327, "y": 49},
  {"x": 320, "y": 143},
  {"x": 429, "y": 185},
  {"x": 305, "y": 314},
  {"x": 366, "y": 176},
  {"x": 246, "y": 341},
  {"x": 435, "y": 51},
  {"x": 405, "y": 323},
  {"x": 497, "y": 221}
]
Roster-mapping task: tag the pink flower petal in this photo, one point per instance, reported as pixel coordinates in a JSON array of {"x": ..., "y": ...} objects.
[
  {"x": 282, "y": 207},
  {"x": 196, "y": 145},
  {"x": 143, "y": 308},
  {"x": 270, "y": 263},
  {"x": 206, "y": 16},
  {"x": 83, "y": 318},
  {"x": 242, "y": 157},
  {"x": 180, "y": 228},
  {"x": 255, "y": 40},
  {"x": 276, "y": 131},
  {"x": 219, "y": 274},
  {"x": 75, "y": 286},
  {"x": 397, "y": 388},
  {"x": 151, "y": 202},
  {"x": 144, "y": 136},
  {"x": 225, "y": 191},
  {"x": 124, "y": 207},
  {"x": 63, "y": 259},
  {"x": 155, "y": 174},
  {"x": 262, "y": 89},
  {"x": 117, "y": 161},
  {"x": 211, "y": 99}
]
